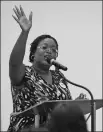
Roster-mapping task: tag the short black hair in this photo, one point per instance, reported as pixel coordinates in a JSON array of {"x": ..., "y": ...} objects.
[
  {"x": 65, "y": 118},
  {"x": 35, "y": 43}
]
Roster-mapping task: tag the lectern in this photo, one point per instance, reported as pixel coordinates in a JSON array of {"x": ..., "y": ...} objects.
[{"x": 45, "y": 106}]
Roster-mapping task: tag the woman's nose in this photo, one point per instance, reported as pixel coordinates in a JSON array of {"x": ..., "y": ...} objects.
[{"x": 49, "y": 50}]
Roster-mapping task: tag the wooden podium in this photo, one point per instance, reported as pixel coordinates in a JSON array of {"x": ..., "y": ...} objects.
[
  {"x": 85, "y": 105},
  {"x": 45, "y": 106}
]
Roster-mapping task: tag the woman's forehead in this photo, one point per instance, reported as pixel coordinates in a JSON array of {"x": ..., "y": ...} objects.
[{"x": 47, "y": 41}]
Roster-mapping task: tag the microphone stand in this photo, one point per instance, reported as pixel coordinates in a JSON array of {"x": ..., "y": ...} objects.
[{"x": 93, "y": 105}]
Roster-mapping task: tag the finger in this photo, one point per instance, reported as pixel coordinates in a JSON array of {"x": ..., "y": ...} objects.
[
  {"x": 84, "y": 95},
  {"x": 16, "y": 13},
  {"x": 15, "y": 19},
  {"x": 30, "y": 16},
  {"x": 22, "y": 11},
  {"x": 19, "y": 13}
]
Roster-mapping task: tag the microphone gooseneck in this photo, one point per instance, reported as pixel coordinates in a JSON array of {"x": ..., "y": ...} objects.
[{"x": 92, "y": 102}]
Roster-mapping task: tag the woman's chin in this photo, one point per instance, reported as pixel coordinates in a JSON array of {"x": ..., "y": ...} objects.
[{"x": 45, "y": 63}]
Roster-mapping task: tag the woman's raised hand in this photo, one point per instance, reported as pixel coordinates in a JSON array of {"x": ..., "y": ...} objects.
[{"x": 21, "y": 18}]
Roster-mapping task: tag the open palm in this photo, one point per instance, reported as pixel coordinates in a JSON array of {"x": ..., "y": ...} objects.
[{"x": 21, "y": 18}]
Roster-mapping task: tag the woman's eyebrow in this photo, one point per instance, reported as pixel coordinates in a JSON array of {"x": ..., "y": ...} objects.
[
  {"x": 45, "y": 43},
  {"x": 48, "y": 44}
]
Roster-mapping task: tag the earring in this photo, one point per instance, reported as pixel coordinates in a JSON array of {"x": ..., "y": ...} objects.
[{"x": 32, "y": 57}]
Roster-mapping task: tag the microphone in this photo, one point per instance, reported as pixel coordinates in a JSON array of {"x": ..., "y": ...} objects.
[{"x": 57, "y": 64}]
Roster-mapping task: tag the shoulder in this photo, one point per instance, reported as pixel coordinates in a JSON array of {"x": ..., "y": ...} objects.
[
  {"x": 27, "y": 72},
  {"x": 28, "y": 69}
]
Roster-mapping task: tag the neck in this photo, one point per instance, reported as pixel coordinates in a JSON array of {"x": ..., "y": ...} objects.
[{"x": 41, "y": 69}]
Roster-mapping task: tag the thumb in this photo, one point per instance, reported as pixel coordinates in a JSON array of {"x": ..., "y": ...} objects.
[{"x": 30, "y": 16}]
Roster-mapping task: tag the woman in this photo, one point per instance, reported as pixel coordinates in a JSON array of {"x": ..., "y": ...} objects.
[
  {"x": 67, "y": 118},
  {"x": 32, "y": 84}
]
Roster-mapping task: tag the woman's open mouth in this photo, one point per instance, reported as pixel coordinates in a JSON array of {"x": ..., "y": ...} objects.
[{"x": 47, "y": 58}]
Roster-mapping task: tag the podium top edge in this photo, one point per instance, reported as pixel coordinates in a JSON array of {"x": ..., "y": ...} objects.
[{"x": 59, "y": 101}]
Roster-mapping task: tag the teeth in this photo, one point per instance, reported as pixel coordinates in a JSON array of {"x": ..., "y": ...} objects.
[{"x": 47, "y": 56}]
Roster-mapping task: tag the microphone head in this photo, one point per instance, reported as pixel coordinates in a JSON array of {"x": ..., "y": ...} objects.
[{"x": 55, "y": 63}]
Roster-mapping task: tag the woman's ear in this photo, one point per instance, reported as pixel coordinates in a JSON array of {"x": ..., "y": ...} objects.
[{"x": 56, "y": 54}]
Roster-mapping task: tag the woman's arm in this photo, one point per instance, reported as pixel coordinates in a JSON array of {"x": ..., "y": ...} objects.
[{"x": 16, "y": 66}]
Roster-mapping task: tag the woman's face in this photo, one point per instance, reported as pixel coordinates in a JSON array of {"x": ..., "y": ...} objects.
[{"x": 46, "y": 49}]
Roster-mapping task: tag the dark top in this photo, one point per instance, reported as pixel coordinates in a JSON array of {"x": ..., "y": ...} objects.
[{"x": 30, "y": 92}]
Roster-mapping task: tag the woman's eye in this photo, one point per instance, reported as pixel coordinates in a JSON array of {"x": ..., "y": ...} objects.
[{"x": 44, "y": 47}]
